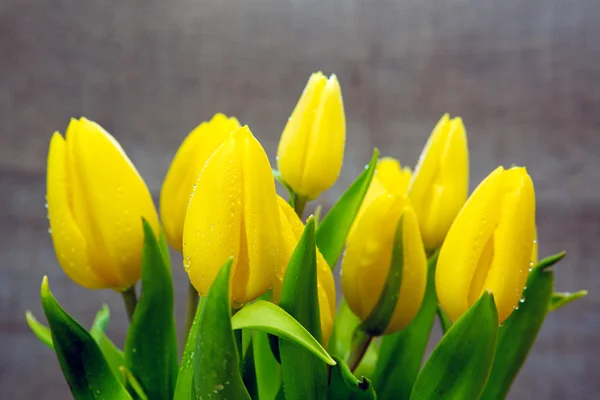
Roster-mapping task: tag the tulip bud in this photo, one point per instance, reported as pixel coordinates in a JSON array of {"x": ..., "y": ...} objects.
[
  {"x": 291, "y": 231},
  {"x": 187, "y": 164},
  {"x": 369, "y": 251},
  {"x": 440, "y": 182},
  {"x": 231, "y": 213},
  {"x": 490, "y": 245},
  {"x": 311, "y": 149},
  {"x": 96, "y": 201}
]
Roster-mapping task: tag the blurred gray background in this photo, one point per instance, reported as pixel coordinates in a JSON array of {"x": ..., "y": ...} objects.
[{"x": 524, "y": 75}]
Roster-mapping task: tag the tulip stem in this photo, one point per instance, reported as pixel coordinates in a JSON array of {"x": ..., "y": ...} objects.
[
  {"x": 130, "y": 300},
  {"x": 192, "y": 305},
  {"x": 360, "y": 344},
  {"x": 299, "y": 204},
  {"x": 445, "y": 321}
]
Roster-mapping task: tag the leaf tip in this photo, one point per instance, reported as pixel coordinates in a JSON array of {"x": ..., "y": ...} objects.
[{"x": 45, "y": 288}]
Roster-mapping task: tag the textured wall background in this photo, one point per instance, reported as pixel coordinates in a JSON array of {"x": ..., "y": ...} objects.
[{"x": 524, "y": 75}]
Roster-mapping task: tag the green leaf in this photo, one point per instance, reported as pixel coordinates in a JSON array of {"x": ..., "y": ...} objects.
[
  {"x": 345, "y": 386},
  {"x": 291, "y": 193},
  {"x": 460, "y": 364},
  {"x": 344, "y": 326},
  {"x": 401, "y": 353},
  {"x": 549, "y": 262},
  {"x": 366, "y": 366},
  {"x": 249, "y": 370},
  {"x": 267, "y": 317},
  {"x": 445, "y": 321},
  {"x": 217, "y": 366},
  {"x": 88, "y": 374},
  {"x": 379, "y": 317},
  {"x": 40, "y": 330},
  {"x": 304, "y": 376},
  {"x": 114, "y": 356},
  {"x": 268, "y": 370},
  {"x": 135, "y": 385},
  {"x": 519, "y": 331},
  {"x": 184, "y": 389},
  {"x": 333, "y": 230},
  {"x": 560, "y": 299},
  {"x": 151, "y": 345}
]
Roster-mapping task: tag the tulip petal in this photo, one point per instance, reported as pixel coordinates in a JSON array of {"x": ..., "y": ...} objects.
[
  {"x": 325, "y": 151},
  {"x": 293, "y": 145},
  {"x": 260, "y": 205},
  {"x": 184, "y": 170},
  {"x": 69, "y": 242},
  {"x": 116, "y": 199},
  {"x": 513, "y": 242},
  {"x": 212, "y": 228},
  {"x": 457, "y": 262}
]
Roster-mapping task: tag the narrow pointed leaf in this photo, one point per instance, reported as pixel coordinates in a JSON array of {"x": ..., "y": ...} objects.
[
  {"x": 267, "y": 317},
  {"x": 217, "y": 364},
  {"x": 401, "y": 353},
  {"x": 334, "y": 228},
  {"x": 268, "y": 370},
  {"x": 135, "y": 385},
  {"x": 40, "y": 330},
  {"x": 279, "y": 178},
  {"x": 114, "y": 356},
  {"x": 151, "y": 339},
  {"x": 345, "y": 386},
  {"x": 249, "y": 371},
  {"x": 304, "y": 376},
  {"x": 519, "y": 331},
  {"x": 102, "y": 319},
  {"x": 346, "y": 322},
  {"x": 460, "y": 364},
  {"x": 379, "y": 318},
  {"x": 560, "y": 299},
  {"x": 88, "y": 374},
  {"x": 549, "y": 262},
  {"x": 184, "y": 389}
]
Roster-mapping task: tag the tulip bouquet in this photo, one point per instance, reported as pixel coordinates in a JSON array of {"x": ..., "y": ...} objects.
[{"x": 262, "y": 320}]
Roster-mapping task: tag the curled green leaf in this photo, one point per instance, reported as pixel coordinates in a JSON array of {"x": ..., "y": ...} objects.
[{"x": 560, "y": 299}]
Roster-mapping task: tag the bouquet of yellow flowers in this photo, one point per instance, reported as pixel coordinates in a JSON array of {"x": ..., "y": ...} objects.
[{"x": 262, "y": 321}]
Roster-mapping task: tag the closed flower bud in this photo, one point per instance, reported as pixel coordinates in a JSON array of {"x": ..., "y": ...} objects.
[
  {"x": 291, "y": 231},
  {"x": 232, "y": 212},
  {"x": 490, "y": 245},
  {"x": 440, "y": 182},
  {"x": 311, "y": 149},
  {"x": 197, "y": 147},
  {"x": 96, "y": 201},
  {"x": 369, "y": 250}
]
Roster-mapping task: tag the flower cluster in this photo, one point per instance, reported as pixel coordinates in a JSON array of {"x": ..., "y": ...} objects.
[{"x": 412, "y": 244}]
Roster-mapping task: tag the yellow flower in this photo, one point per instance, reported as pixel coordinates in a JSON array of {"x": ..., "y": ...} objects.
[
  {"x": 291, "y": 230},
  {"x": 440, "y": 182},
  {"x": 231, "y": 213},
  {"x": 311, "y": 149},
  {"x": 96, "y": 200},
  {"x": 185, "y": 168},
  {"x": 490, "y": 245},
  {"x": 369, "y": 250}
]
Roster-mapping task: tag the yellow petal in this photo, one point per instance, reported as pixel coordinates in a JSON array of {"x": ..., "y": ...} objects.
[
  {"x": 439, "y": 184},
  {"x": 390, "y": 174},
  {"x": 116, "y": 199},
  {"x": 513, "y": 242},
  {"x": 414, "y": 274},
  {"x": 325, "y": 151},
  {"x": 465, "y": 243},
  {"x": 293, "y": 145},
  {"x": 236, "y": 219},
  {"x": 184, "y": 170},
  {"x": 326, "y": 315},
  {"x": 69, "y": 243}
]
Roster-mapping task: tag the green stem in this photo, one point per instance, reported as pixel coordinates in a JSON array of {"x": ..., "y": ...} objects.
[
  {"x": 360, "y": 344},
  {"x": 444, "y": 319},
  {"x": 299, "y": 204},
  {"x": 130, "y": 300},
  {"x": 192, "y": 305}
]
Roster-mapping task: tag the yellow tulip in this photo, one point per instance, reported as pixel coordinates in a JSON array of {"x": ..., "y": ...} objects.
[
  {"x": 369, "y": 251},
  {"x": 311, "y": 149},
  {"x": 490, "y": 245},
  {"x": 440, "y": 182},
  {"x": 187, "y": 164},
  {"x": 96, "y": 199},
  {"x": 232, "y": 212},
  {"x": 291, "y": 230}
]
